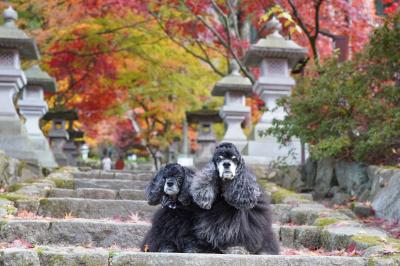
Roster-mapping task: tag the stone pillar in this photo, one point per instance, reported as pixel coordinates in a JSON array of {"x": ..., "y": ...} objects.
[
  {"x": 14, "y": 46},
  {"x": 206, "y": 139},
  {"x": 275, "y": 56},
  {"x": 235, "y": 88},
  {"x": 32, "y": 106}
]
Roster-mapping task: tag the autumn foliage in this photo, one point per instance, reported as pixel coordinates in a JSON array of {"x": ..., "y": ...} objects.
[{"x": 115, "y": 60}]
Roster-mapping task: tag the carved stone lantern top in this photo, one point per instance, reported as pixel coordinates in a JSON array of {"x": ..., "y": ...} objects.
[
  {"x": 232, "y": 82},
  {"x": 13, "y": 38},
  {"x": 274, "y": 46}
]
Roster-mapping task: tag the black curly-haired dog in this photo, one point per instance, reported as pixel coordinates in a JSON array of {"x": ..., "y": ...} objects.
[
  {"x": 238, "y": 219},
  {"x": 172, "y": 225}
]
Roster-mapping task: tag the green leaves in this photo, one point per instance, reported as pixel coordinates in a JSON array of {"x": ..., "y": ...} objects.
[{"x": 350, "y": 110}]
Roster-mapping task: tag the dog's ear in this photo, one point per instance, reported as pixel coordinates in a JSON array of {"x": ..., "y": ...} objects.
[
  {"x": 155, "y": 190},
  {"x": 243, "y": 191},
  {"x": 184, "y": 191},
  {"x": 204, "y": 187}
]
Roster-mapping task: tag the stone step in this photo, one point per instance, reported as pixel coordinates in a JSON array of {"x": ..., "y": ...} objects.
[
  {"x": 98, "y": 193},
  {"x": 337, "y": 236},
  {"x": 96, "y": 174},
  {"x": 114, "y": 184},
  {"x": 94, "y": 208},
  {"x": 44, "y": 255},
  {"x": 141, "y": 258},
  {"x": 83, "y": 232}
]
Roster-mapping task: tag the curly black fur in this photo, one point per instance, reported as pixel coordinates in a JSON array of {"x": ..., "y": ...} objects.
[
  {"x": 239, "y": 212},
  {"x": 172, "y": 225}
]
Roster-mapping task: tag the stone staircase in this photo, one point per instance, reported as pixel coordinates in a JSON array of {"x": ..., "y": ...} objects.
[{"x": 99, "y": 218}]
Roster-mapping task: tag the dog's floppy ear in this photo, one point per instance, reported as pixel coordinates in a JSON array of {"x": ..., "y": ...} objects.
[
  {"x": 204, "y": 187},
  {"x": 242, "y": 191},
  {"x": 184, "y": 191},
  {"x": 155, "y": 190}
]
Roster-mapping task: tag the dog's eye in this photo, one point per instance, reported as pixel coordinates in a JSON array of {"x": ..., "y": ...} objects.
[
  {"x": 233, "y": 157},
  {"x": 221, "y": 157}
]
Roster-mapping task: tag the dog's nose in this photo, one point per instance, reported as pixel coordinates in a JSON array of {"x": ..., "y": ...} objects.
[
  {"x": 170, "y": 184},
  {"x": 226, "y": 164}
]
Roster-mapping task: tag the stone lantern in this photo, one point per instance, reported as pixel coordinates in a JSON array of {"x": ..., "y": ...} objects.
[
  {"x": 33, "y": 106},
  {"x": 234, "y": 88},
  {"x": 14, "y": 46},
  {"x": 58, "y": 133},
  {"x": 275, "y": 56},
  {"x": 206, "y": 139}
]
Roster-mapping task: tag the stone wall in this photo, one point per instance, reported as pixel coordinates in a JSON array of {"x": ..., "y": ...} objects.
[
  {"x": 342, "y": 181},
  {"x": 13, "y": 171}
]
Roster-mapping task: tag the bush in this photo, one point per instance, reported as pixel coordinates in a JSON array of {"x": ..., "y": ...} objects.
[{"x": 350, "y": 110}]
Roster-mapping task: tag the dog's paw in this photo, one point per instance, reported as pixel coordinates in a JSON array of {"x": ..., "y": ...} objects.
[{"x": 235, "y": 250}]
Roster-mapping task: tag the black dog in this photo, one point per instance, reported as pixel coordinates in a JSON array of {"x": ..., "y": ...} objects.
[
  {"x": 239, "y": 214},
  {"x": 172, "y": 225}
]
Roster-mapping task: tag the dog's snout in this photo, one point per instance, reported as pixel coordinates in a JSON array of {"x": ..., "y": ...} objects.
[
  {"x": 170, "y": 183},
  {"x": 226, "y": 164}
]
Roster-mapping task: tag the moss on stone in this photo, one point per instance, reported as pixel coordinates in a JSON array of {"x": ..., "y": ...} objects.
[
  {"x": 371, "y": 262},
  {"x": 15, "y": 187},
  {"x": 21, "y": 167},
  {"x": 64, "y": 183},
  {"x": 13, "y": 197},
  {"x": 393, "y": 259},
  {"x": 10, "y": 209},
  {"x": 43, "y": 202},
  {"x": 39, "y": 250},
  {"x": 57, "y": 260},
  {"x": 325, "y": 221},
  {"x": 279, "y": 194},
  {"x": 368, "y": 240},
  {"x": 111, "y": 254}
]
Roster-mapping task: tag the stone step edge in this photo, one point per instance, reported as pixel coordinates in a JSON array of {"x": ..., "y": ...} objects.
[
  {"x": 98, "y": 193},
  {"x": 40, "y": 255}
]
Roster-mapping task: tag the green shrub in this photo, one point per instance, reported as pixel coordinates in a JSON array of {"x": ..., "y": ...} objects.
[{"x": 350, "y": 110}]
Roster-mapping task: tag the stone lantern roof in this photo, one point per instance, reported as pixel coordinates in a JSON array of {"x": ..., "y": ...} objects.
[
  {"x": 37, "y": 77},
  {"x": 274, "y": 46},
  {"x": 13, "y": 38},
  {"x": 232, "y": 82},
  {"x": 65, "y": 115},
  {"x": 203, "y": 115}
]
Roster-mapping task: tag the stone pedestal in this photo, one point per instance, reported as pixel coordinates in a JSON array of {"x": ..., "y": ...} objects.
[
  {"x": 234, "y": 88},
  {"x": 71, "y": 151},
  {"x": 275, "y": 56},
  {"x": 13, "y": 137},
  {"x": 32, "y": 106},
  {"x": 72, "y": 148}
]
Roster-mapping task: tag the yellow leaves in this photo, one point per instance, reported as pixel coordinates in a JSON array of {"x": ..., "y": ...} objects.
[
  {"x": 86, "y": 26},
  {"x": 280, "y": 13}
]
